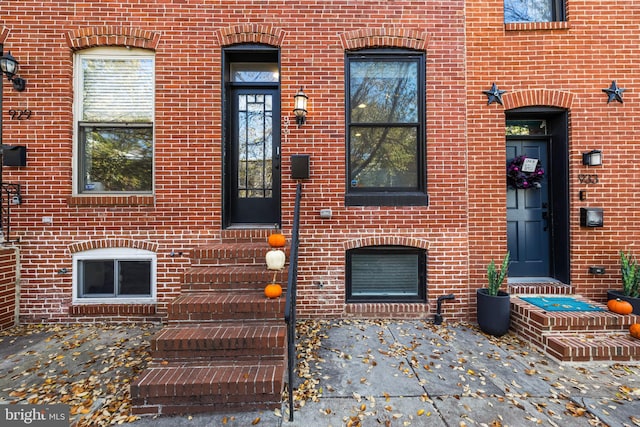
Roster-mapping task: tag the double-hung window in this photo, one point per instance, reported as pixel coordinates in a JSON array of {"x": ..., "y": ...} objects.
[
  {"x": 533, "y": 10},
  {"x": 385, "y": 128},
  {"x": 114, "y": 113}
]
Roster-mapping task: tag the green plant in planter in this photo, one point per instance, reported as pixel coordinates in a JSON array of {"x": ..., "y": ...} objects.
[
  {"x": 496, "y": 277},
  {"x": 630, "y": 275}
]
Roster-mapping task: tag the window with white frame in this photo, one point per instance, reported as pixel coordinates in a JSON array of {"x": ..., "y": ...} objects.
[
  {"x": 533, "y": 10},
  {"x": 115, "y": 274},
  {"x": 114, "y": 108}
]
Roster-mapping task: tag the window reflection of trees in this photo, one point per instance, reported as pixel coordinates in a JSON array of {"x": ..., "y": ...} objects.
[
  {"x": 528, "y": 10},
  {"x": 119, "y": 159},
  {"x": 255, "y": 129},
  {"x": 384, "y": 116}
]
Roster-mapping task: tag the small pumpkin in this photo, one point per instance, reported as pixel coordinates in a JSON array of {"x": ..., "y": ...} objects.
[
  {"x": 619, "y": 306},
  {"x": 273, "y": 290},
  {"x": 275, "y": 259},
  {"x": 634, "y": 330},
  {"x": 276, "y": 240}
]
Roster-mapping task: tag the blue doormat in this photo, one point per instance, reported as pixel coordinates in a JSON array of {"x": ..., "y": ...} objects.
[{"x": 561, "y": 304}]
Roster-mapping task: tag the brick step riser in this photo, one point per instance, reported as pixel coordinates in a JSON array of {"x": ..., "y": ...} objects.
[
  {"x": 597, "y": 347},
  {"x": 187, "y": 319},
  {"x": 230, "y": 259},
  {"x": 257, "y": 287},
  {"x": 219, "y": 356},
  {"x": 233, "y": 280},
  {"x": 232, "y": 256},
  {"x": 262, "y": 344},
  {"x": 170, "y": 406},
  {"x": 261, "y": 308}
]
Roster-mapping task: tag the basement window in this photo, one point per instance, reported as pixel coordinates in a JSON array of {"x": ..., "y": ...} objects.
[
  {"x": 114, "y": 275},
  {"x": 386, "y": 273}
]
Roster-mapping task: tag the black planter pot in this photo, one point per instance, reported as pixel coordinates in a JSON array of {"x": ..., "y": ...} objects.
[
  {"x": 494, "y": 312},
  {"x": 635, "y": 302}
]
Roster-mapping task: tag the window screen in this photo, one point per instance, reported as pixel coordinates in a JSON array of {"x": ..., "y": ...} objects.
[{"x": 393, "y": 273}]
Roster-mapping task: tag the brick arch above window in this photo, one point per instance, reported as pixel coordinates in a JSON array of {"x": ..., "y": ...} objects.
[
  {"x": 109, "y": 35},
  {"x": 384, "y": 37},
  {"x": 535, "y": 97},
  {"x": 386, "y": 241},
  {"x": 251, "y": 33},
  {"x": 112, "y": 243}
]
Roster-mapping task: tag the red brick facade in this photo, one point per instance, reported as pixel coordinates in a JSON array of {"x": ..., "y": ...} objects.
[
  {"x": 8, "y": 287},
  {"x": 564, "y": 65}
]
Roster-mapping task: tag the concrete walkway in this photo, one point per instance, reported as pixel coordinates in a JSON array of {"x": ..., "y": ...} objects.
[{"x": 387, "y": 373}]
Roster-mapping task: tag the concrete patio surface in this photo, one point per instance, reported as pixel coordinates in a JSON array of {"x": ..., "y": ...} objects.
[{"x": 352, "y": 373}]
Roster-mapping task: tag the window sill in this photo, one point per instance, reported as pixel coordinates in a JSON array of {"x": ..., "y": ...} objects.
[
  {"x": 386, "y": 199},
  {"x": 111, "y": 200},
  {"x": 119, "y": 309},
  {"x": 386, "y": 310},
  {"x": 537, "y": 26}
]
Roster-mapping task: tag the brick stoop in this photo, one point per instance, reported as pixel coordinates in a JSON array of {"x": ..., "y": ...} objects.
[
  {"x": 224, "y": 345},
  {"x": 573, "y": 336}
]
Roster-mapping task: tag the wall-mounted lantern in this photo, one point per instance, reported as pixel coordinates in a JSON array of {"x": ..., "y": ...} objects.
[
  {"x": 591, "y": 217},
  {"x": 592, "y": 158},
  {"x": 9, "y": 67},
  {"x": 300, "y": 107}
]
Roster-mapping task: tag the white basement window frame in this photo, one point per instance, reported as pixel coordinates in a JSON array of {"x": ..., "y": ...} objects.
[{"x": 120, "y": 258}]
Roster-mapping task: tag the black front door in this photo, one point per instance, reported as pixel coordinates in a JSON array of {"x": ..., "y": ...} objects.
[
  {"x": 528, "y": 215},
  {"x": 254, "y": 173}
]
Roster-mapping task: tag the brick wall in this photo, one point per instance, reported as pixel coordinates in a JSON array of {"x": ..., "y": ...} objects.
[
  {"x": 563, "y": 65},
  {"x": 185, "y": 210},
  {"x": 8, "y": 289}
]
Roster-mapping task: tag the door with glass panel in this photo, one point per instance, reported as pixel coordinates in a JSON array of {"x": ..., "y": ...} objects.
[{"x": 254, "y": 179}]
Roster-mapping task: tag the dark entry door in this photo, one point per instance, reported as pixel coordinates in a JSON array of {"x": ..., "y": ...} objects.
[
  {"x": 528, "y": 216},
  {"x": 254, "y": 181}
]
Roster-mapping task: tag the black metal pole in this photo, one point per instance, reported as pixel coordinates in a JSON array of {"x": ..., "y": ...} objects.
[{"x": 1, "y": 152}]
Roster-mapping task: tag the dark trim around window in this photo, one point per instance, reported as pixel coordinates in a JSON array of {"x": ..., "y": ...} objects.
[
  {"x": 380, "y": 290},
  {"x": 403, "y": 195}
]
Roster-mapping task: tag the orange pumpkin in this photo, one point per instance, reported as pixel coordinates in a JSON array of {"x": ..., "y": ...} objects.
[
  {"x": 634, "y": 330},
  {"x": 619, "y": 306},
  {"x": 277, "y": 240},
  {"x": 273, "y": 290}
]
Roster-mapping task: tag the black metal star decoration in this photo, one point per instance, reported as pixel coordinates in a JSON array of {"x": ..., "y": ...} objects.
[
  {"x": 614, "y": 92},
  {"x": 494, "y": 94}
]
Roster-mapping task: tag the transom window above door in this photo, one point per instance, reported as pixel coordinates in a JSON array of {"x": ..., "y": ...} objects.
[{"x": 533, "y": 10}]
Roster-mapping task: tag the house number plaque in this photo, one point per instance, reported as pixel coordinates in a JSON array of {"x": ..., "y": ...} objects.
[
  {"x": 588, "y": 178},
  {"x": 20, "y": 114}
]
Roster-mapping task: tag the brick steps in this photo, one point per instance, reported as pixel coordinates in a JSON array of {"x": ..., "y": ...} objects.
[
  {"x": 208, "y": 387},
  {"x": 221, "y": 306},
  {"x": 236, "y": 341},
  {"x": 584, "y": 347},
  {"x": 573, "y": 336},
  {"x": 229, "y": 278},
  {"x": 224, "y": 346}
]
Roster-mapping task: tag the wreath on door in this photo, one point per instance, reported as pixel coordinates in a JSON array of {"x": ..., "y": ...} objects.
[{"x": 530, "y": 177}]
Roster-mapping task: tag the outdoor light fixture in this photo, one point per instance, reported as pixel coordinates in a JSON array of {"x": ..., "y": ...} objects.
[
  {"x": 300, "y": 107},
  {"x": 9, "y": 67},
  {"x": 592, "y": 158}
]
